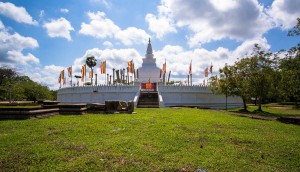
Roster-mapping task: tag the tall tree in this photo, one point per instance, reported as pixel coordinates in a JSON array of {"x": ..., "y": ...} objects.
[
  {"x": 91, "y": 62},
  {"x": 290, "y": 70},
  {"x": 248, "y": 77}
]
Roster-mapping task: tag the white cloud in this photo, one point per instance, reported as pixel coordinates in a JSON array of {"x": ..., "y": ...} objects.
[
  {"x": 115, "y": 58},
  {"x": 107, "y": 44},
  {"x": 178, "y": 59},
  {"x": 11, "y": 47},
  {"x": 104, "y": 2},
  {"x": 285, "y": 12},
  {"x": 18, "y": 14},
  {"x": 132, "y": 35},
  {"x": 162, "y": 24},
  {"x": 42, "y": 14},
  {"x": 64, "y": 10},
  {"x": 1, "y": 25},
  {"x": 215, "y": 20},
  {"x": 102, "y": 27},
  {"x": 99, "y": 26},
  {"x": 59, "y": 28}
]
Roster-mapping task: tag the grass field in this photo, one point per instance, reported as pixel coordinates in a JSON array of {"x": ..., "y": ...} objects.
[
  {"x": 271, "y": 110},
  {"x": 162, "y": 139}
]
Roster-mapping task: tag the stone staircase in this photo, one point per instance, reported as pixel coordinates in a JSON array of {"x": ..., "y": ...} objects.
[{"x": 148, "y": 100}]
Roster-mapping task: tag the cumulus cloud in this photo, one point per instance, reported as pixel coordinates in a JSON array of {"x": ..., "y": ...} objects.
[
  {"x": 132, "y": 35},
  {"x": 99, "y": 26},
  {"x": 178, "y": 59},
  {"x": 107, "y": 44},
  {"x": 11, "y": 47},
  {"x": 285, "y": 12},
  {"x": 18, "y": 14},
  {"x": 162, "y": 24},
  {"x": 64, "y": 10},
  {"x": 59, "y": 28},
  {"x": 102, "y": 27},
  {"x": 215, "y": 19},
  {"x": 1, "y": 25},
  {"x": 115, "y": 58}
]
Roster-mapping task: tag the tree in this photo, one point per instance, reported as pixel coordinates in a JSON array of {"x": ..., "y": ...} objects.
[
  {"x": 248, "y": 77},
  {"x": 22, "y": 87},
  {"x": 91, "y": 62},
  {"x": 7, "y": 79},
  {"x": 290, "y": 70},
  {"x": 232, "y": 82},
  {"x": 260, "y": 73}
]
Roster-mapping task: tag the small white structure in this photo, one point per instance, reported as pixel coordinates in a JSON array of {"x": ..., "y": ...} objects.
[
  {"x": 149, "y": 71},
  {"x": 149, "y": 81}
]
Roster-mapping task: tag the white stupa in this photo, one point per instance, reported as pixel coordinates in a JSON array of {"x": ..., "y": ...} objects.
[{"x": 149, "y": 71}]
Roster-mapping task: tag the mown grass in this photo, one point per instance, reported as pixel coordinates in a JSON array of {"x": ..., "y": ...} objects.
[
  {"x": 162, "y": 139},
  {"x": 270, "y": 110}
]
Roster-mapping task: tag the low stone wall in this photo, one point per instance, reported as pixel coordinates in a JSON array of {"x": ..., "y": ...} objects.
[
  {"x": 197, "y": 95},
  {"x": 26, "y": 113},
  {"x": 200, "y": 96},
  {"x": 97, "y": 94}
]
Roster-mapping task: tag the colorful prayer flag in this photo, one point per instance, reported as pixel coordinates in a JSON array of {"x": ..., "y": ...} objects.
[
  {"x": 70, "y": 71},
  {"x": 130, "y": 66},
  {"x": 103, "y": 67},
  {"x": 83, "y": 72},
  {"x": 91, "y": 74},
  {"x": 210, "y": 68},
  {"x": 62, "y": 74},
  {"x": 206, "y": 72},
  {"x": 164, "y": 68},
  {"x": 59, "y": 79}
]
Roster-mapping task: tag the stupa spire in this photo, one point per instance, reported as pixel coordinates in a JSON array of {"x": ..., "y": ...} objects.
[{"x": 149, "y": 48}]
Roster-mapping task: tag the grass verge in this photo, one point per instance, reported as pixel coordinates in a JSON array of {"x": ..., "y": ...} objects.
[{"x": 162, "y": 139}]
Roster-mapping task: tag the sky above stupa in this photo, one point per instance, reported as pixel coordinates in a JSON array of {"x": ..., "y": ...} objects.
[{"x": 41, "y": 38}]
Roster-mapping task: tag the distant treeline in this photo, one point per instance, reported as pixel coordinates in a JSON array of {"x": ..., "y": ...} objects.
[{"x": 15, "y": 87}]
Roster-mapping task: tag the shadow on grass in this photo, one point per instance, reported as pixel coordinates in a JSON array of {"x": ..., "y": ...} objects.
[{"x": 262, "y": 113}]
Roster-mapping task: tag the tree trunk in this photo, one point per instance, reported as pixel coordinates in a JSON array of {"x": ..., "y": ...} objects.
[
  {"x": 245, "y": 105},
  {"x": 259, "y": 104}
]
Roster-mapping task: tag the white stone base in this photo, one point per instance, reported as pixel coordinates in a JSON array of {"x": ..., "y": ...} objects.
[{"x": 200, "y": 96}]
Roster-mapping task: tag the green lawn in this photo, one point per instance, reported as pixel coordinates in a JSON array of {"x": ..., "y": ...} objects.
[
  {"x": 271, "y": 110},
  {"x": 162, "y": 139}
]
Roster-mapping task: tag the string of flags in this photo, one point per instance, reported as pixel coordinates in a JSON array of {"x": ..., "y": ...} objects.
[{"x": 130, "y": 69}]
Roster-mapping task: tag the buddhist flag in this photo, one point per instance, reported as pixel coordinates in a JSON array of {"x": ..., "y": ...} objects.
[
  {"x": 103, "y": 67},
  {"x": 83, "y": 72},
  {"x": 70, "y": 71},
  {"x": 164, "y": 68},
  {"x": 62, "y": 73},
  {"x": 59, "y": 79},
  {"x": 91, "y": 74},
  {"x": 190, "y": 68},
  {"x": 210, "y": 68},
  {"x": 130, "y": 66},
  {"x": 206, "y": 72}
]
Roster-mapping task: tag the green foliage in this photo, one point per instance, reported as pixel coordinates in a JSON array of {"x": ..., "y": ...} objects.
[
  {"x": 91, "y": 61},
  {"x": 290, "y": 70},
  {"x": 22, "y": 87},
  {"x": 248, "y": 77},
  {"x": 162, "y": 139}
]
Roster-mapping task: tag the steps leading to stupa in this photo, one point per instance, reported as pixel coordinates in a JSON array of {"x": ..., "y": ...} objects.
[{"x": 148, "y": 100}]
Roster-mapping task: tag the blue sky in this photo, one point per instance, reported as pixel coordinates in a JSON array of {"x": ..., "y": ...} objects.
[{"x": 41, "y": 38}]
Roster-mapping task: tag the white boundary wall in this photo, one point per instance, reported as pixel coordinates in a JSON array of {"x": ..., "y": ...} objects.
[
  {"x": 200, "y": 96},
  {"x": 97, "y": 94}
]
